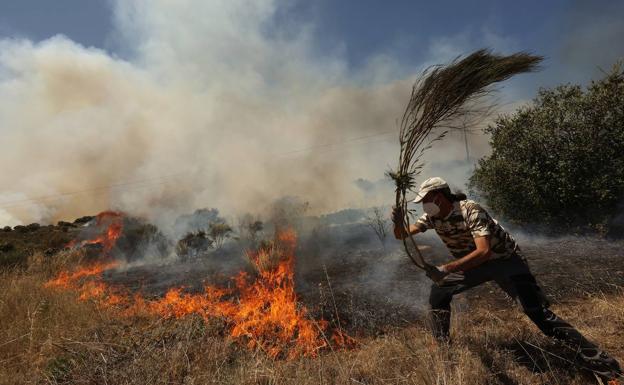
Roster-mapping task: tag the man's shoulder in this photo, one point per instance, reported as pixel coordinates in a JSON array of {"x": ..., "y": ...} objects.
[
  {"x": 469, "y": 204},
  {"x": 472, "y": 209}
]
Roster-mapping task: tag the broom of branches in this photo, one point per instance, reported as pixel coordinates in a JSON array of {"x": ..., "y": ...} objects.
[{"x": 441, "y": 97}]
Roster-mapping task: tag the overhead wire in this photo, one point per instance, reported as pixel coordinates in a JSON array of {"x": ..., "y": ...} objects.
[{"x": 158, "y": 180}]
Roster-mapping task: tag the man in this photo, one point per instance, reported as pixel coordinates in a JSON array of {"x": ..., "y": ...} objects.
[{"x": 484, "y": 251}]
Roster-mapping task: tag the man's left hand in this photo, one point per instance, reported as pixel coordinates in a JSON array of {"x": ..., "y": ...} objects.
[{"x": 436, "y": 273}]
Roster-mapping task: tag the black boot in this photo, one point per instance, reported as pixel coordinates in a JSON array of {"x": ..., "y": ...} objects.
[
  {"x": 601, "y": 364},
  {"x": 440, "y": 323}
]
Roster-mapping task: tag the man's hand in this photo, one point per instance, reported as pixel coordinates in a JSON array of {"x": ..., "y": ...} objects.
[
  {"x": 436, "y": 273},
  {"x": 400, "y": 231},
  {"x": 441, "y": 276},
  {"x": 397, "y": 216},
  {"x": 399, "y": 226}
]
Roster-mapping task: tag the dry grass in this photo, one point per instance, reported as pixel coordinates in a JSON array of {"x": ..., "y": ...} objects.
[
  {"x": 35, "y": 320},
  {"x": 49, "y": 337}
]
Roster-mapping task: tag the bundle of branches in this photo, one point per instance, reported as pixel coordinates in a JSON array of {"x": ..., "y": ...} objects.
[{"x": 441, "y": 97}]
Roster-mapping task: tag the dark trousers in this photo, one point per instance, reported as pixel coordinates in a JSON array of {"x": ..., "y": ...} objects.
[{"x": 514, "y": 277}]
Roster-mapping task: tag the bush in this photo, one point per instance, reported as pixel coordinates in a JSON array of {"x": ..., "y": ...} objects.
[
  {"x": 193, "y": 245},
  {"x": 559, "y": 163},
  {"x": 219, "y": 232}
]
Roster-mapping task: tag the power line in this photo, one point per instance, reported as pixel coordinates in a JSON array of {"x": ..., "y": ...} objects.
[
  {"x": 103, "y": 190},
  {"x": 93, "y": 189},
  {"x": 163, "y": 179}
]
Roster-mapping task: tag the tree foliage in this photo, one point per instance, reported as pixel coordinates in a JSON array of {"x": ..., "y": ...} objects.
[{"x": 559, "y": 163}]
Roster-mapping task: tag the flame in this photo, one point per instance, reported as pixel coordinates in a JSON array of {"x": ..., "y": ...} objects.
[
  {"x": 69, "y": 280},
  {"x": 108, "y": 238},
  {"x": 262, "y": 312},
  {"x": 269, "y": 313}
]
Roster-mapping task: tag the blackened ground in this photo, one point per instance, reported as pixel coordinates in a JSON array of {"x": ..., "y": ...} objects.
[
  {"x": 382, "y": 289},
  {"x": 347, "y": 277},
  {"x": 343, "y": 273}
]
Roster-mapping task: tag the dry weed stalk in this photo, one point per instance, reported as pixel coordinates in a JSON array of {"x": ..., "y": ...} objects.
[
  {"x": 267, "y": 257},
  {"x": 442, "y": 96}
]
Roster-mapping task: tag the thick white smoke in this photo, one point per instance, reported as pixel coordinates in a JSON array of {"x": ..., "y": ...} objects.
[{"x": 209, "y": 107}]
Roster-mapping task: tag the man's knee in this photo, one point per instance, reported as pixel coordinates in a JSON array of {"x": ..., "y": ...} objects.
[
  {"x": 530, "y": 294},
  {"x": 543, "y": 318}
]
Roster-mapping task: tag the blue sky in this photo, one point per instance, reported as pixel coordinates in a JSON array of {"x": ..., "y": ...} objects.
[
  {"x": 85, "y": 21},
  {"x": 366, "y": 26},
  {"x": 576, "y": 37}
]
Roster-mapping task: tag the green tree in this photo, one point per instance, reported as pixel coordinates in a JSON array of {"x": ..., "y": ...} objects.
[{"x": 559, "y": 163}]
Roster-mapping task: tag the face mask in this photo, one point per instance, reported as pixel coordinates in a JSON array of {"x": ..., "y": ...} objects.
[{"x": 431, "y": 208}]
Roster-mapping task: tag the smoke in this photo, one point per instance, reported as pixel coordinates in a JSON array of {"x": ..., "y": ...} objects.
[
  {"x": 212, "y": 105},
  {"x": 585, "y": 50}
]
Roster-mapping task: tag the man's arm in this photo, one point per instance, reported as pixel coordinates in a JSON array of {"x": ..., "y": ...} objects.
[
  {"x": 401, "y": 233},
  {"x": 472, "y": 260}
]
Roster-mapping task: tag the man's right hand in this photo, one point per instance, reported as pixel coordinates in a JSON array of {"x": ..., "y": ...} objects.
[{"x": 397, "y": 216}]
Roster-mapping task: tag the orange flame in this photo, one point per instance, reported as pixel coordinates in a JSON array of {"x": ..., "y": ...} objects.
[
  {"x": 269, "y": 313},
  {"x": 108, "y": 238},
  {"x": 262, "y": 312},
  {"x": 69, "y": 280}
]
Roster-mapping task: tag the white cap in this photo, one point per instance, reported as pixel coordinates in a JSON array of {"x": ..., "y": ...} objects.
[{"x": 431, "y": 184}]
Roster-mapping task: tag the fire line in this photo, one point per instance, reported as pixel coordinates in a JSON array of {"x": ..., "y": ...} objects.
[{"x": 262, "y": 311}]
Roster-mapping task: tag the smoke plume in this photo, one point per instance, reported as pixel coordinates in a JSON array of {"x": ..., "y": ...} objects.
[{"x": 211, "y": 105}]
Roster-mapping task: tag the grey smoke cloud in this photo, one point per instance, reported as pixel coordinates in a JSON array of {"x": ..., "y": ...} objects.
[
  {"x": 204, "y": 94},
  {"x": 210, "y": 106}
]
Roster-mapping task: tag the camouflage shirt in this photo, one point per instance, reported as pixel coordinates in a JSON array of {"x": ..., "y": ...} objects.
[{"x": 466, "y": 221}]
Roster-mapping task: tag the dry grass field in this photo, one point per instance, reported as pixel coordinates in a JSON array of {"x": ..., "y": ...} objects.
[{"x": 51, "y": 337}]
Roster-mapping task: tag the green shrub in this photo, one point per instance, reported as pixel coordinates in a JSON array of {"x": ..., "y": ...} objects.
[{"x": 558, "y": 164}]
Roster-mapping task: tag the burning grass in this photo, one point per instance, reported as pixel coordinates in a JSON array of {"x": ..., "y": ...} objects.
[
  {"x": 263, "y": 312},
  {"x": 63, "y": 324},
  {"x": 50, "y": 337}
]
